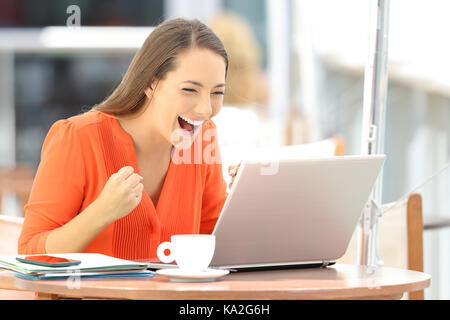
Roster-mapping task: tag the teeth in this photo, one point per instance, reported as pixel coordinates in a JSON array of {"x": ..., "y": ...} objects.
[{"x": 193, "y": 122}]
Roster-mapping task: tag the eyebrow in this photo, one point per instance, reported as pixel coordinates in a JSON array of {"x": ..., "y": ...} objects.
[{"x": 201, "y": 85}]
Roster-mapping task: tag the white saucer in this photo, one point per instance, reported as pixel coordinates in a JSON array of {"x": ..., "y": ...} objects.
[{"x": 178, "y": 275}]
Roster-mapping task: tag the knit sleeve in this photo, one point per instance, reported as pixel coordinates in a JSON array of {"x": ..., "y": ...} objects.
[
  {"x": 214, "y": 193},
  {"x": 58, "y": 187}
]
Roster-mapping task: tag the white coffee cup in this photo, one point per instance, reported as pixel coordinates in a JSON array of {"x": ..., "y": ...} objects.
[{"x": 191, "y": 252}]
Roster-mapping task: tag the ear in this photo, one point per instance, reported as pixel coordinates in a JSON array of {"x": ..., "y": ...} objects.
[
  {"x": 148, "y": 92},
  {"x": 151, "y": 89}
]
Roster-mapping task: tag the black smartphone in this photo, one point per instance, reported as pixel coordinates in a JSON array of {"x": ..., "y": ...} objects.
[{"x": 48, "y": 261}]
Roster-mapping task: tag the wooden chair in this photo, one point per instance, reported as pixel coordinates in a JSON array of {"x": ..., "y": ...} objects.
[
  {"x": 401, "y": 238},
  {"x": 17, "y": 180},
  {"x": 10, "y": 228}
]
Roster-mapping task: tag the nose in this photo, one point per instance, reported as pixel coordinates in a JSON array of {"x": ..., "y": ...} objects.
[{"x": 203, "y": 110}]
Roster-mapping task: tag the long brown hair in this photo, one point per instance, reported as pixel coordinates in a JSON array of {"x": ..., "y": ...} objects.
[{"x": 155, "y": 59}]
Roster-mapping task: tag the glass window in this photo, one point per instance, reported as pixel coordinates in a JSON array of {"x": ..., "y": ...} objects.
[
  {"x": 254, "y": 11},
  {"x": 31, "y": 13},
  {"x": 49, "y": 87}
]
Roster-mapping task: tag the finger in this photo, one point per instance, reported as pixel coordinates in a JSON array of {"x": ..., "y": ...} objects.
[
  {"x": 232, "y": 170},
  {"x": 133, "y": 180},
  {"x": 138, "y": 190},
  {"x": 231, "y": 182},
  {"x": 125, "y": 172}
]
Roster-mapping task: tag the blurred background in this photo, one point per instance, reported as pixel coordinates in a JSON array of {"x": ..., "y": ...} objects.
[{"x": 296, "y": 78}]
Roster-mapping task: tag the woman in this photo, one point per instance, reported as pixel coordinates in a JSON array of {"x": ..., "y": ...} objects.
[{"x": 107, "y": 181}]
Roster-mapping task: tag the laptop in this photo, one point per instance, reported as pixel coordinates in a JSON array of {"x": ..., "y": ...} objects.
[
  {"x": 293, "y": 213},
  {"x": 303, "y": 213}
]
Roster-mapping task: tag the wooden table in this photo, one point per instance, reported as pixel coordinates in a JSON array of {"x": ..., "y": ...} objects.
[{"x": 335, "y": 282}]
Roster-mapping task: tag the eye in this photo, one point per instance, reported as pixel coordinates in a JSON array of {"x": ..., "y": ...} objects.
[
  {"x": 189, "y": 90},
  {"x": 219, "y": 93}
]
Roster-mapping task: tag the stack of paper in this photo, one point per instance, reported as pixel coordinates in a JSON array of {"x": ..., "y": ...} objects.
[{"x": 93, "y": 265}]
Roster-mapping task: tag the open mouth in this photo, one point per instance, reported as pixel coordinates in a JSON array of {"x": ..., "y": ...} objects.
[{"x": 189, "y": 125}]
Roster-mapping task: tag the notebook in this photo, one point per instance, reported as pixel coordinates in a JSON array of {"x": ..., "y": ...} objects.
[{"x": 92, "y": 265}]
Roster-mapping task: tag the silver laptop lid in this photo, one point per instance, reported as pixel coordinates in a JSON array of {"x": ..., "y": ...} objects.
[{"x": 304, "y": 213}]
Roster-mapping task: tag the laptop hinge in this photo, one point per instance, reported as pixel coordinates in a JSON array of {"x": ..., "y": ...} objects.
[{"x": 325, "y": 263}]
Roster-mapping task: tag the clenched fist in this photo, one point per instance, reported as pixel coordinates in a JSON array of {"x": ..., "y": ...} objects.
[{"x": 121, "y": 194}]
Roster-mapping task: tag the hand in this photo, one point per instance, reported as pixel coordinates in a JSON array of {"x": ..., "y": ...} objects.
[
  {"x": 232, "y": 171},
  {"x": 121, "y": 194}
]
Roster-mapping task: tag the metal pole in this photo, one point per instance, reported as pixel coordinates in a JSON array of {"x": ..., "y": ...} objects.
[
  {"x": 375, "y": 92},
  {"x": 278, "y": 33}
]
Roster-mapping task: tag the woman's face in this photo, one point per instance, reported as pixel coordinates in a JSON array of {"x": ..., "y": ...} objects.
[{"x": 188, "y": 96}]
